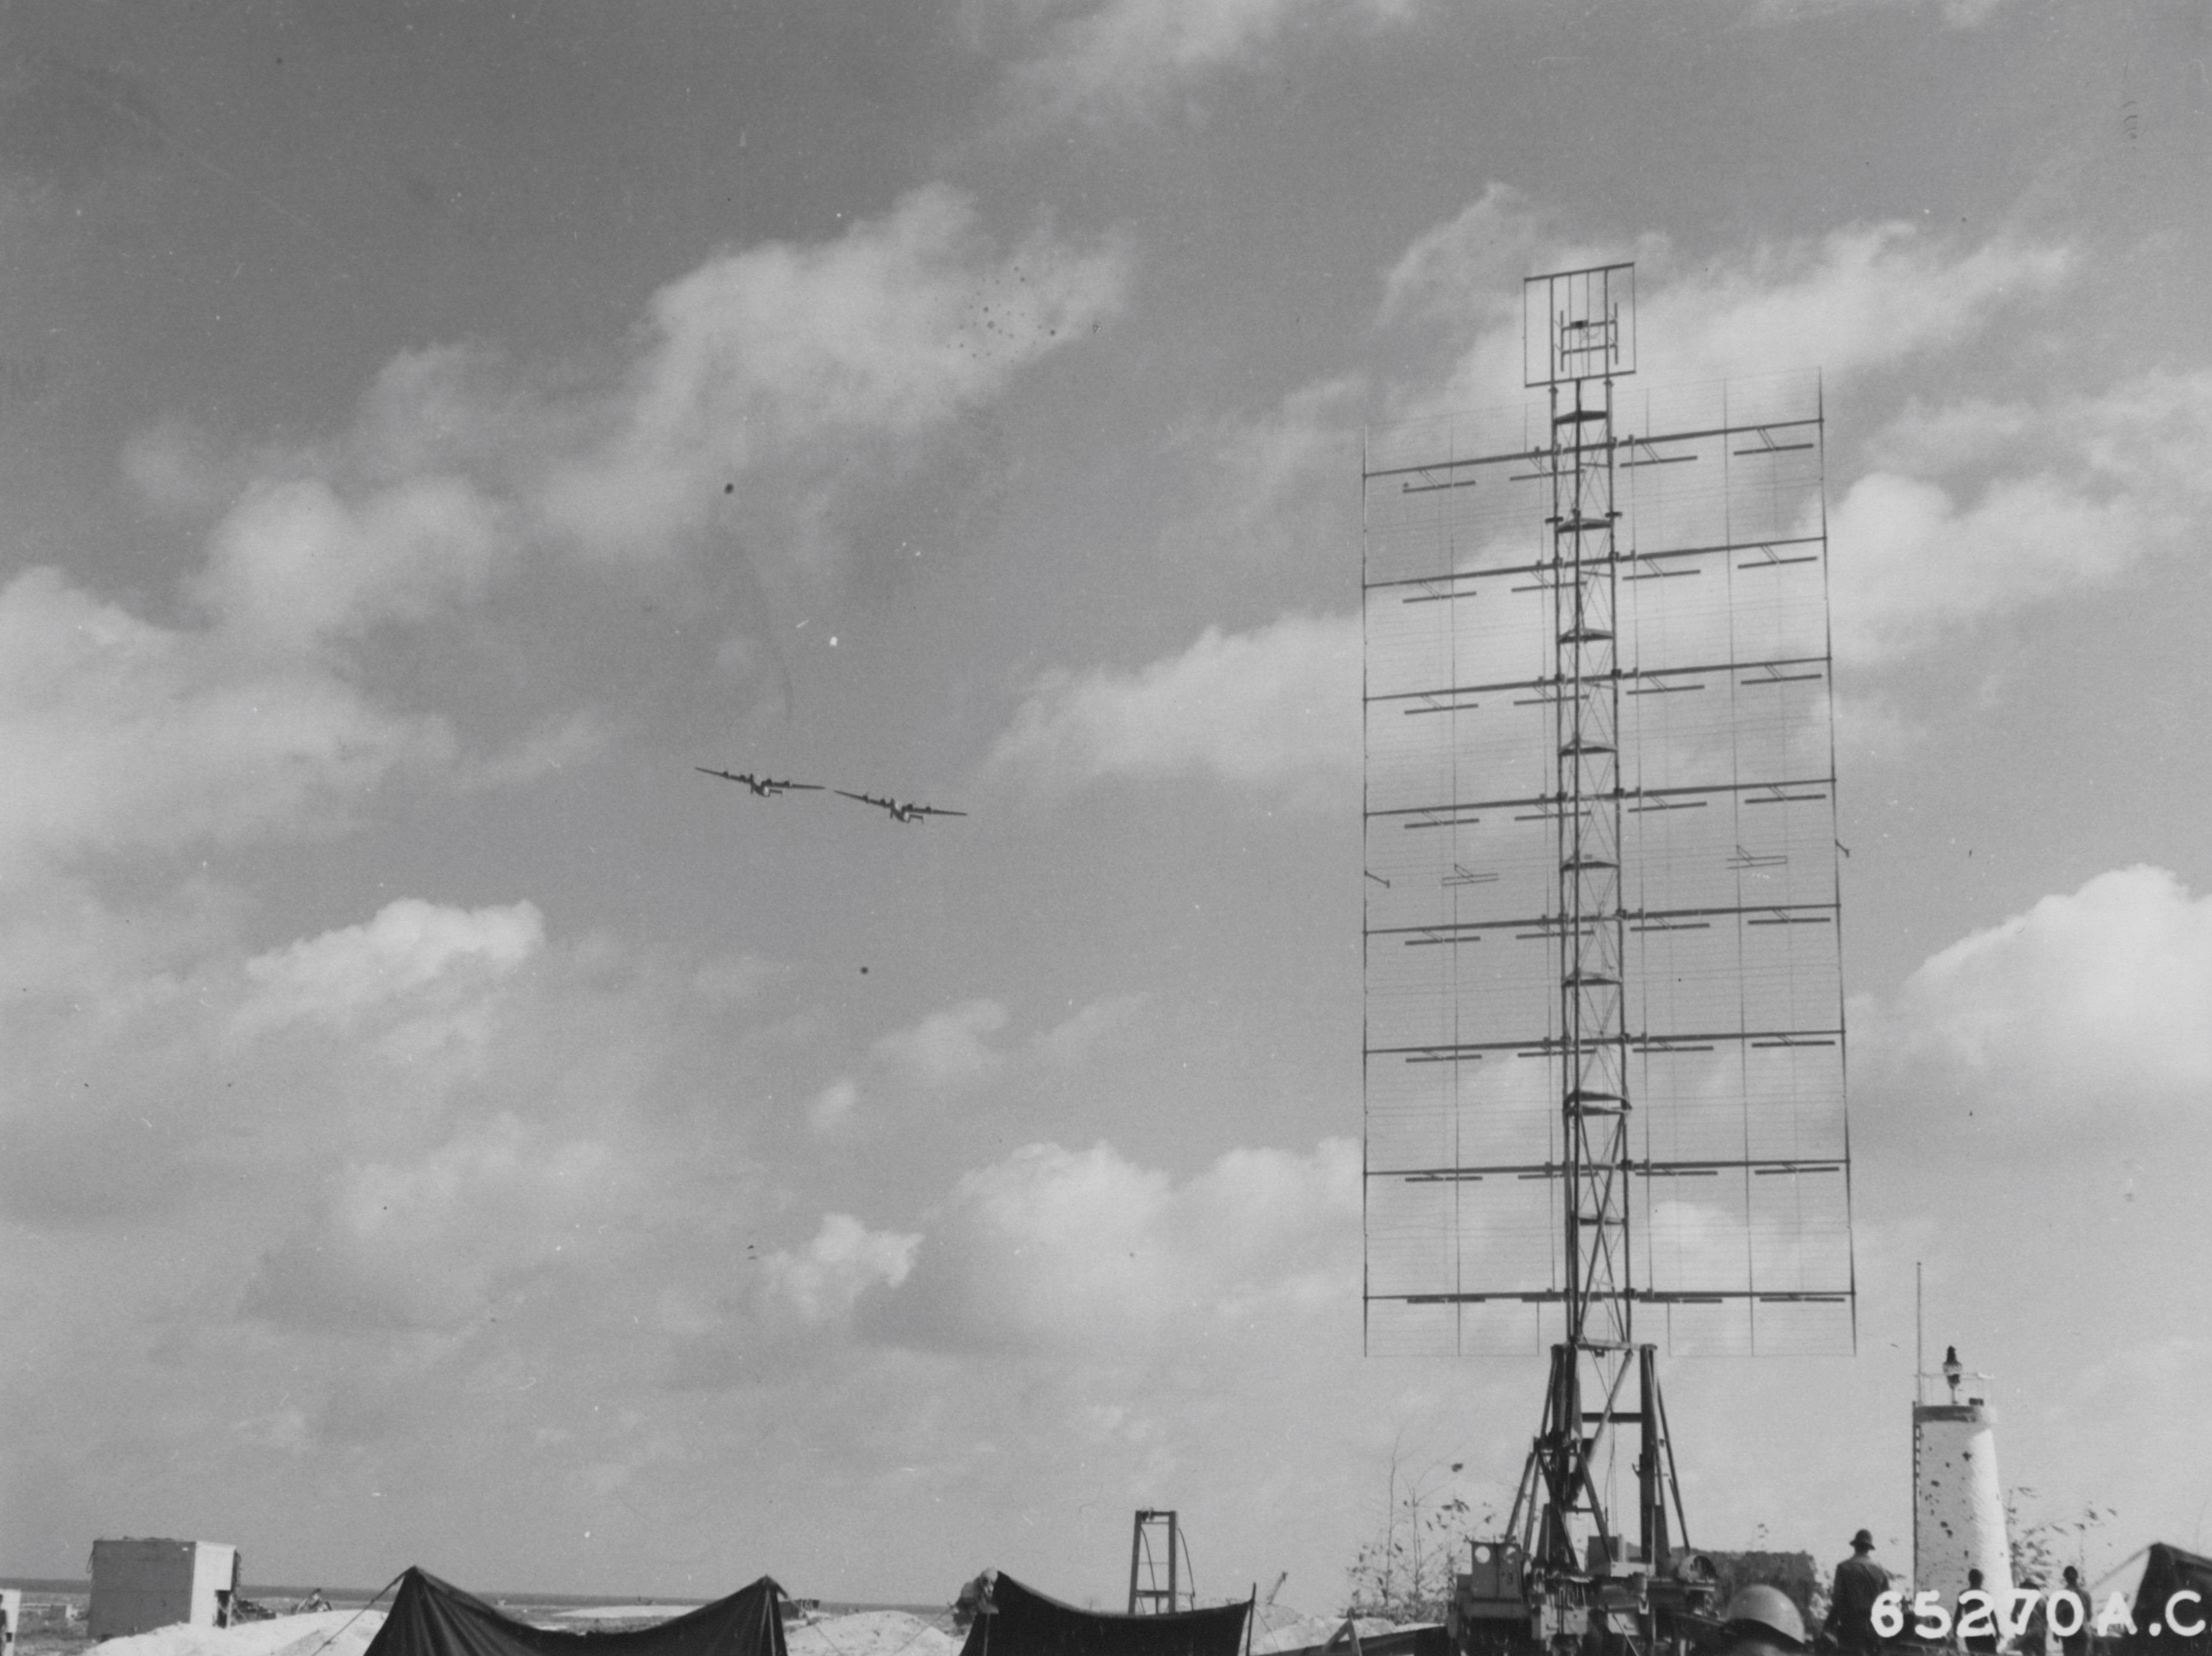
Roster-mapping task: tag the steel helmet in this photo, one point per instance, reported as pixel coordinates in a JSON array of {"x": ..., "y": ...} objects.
[{"x": 1769, "y": 1607}]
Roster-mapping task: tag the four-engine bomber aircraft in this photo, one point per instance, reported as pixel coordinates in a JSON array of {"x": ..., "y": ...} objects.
[
  {"x": 769, "y": 786},
  {"x": 766, "y": 787},
  {"x": 899, "y": 810}
]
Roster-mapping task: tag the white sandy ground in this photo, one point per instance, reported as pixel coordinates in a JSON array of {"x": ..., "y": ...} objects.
[
  {"x": 1277, "y": 1633},
  {"x": 347, "y": 1633},
  {"x": 869, "y": 1633}
]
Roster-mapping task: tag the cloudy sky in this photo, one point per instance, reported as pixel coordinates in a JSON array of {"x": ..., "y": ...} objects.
[{"x": 442, "y": 1127}]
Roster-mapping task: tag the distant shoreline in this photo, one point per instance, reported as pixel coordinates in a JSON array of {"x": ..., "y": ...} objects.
[{"x": 348, "y": 1598}]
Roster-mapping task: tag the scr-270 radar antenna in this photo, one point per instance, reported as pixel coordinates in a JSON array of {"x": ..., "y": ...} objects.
[{"x": 1604, "y": 1011}]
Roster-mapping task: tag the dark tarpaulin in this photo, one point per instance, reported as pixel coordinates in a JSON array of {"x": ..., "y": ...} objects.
[
  {"x": 430, "y": 1618},
  {"x": 2167, "y": 1571},
  {"x": 1019, "y": 1620}
]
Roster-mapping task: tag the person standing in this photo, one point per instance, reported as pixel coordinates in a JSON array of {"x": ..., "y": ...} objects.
[
  {"x": 1978, "y": 1597},
  {"x": 2076, "y": 1643},
  {"x": 1859, "y": 1582},
  {"x": 2035, "y": 1637}
]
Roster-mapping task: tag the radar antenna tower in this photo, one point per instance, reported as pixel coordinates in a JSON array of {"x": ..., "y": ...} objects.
[{"x": 1602, "y": 919}]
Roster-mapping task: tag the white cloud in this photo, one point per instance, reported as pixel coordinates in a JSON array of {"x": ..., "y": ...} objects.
[
  {"x": 1070, "y": 1042},
  {"x": 1275, "y": 484},
  {"x": 823, "y": 1281},
  {"x": 729, "y": 980},
  {"x": 1466, "y": 272},
  {"x": 1083, "y": 1250},
  {"x": 1277, "y": 707},
  {"x": 293, "y": 563},
  {"x": 575, "y": 739},
  {"x": 2152, "y": 431},
  {"x": 2087, "y": 1005},
  {"x": 960, "y": 1047},
  {"x": 1857, "y": 299},
  {"x": 1125, "y": 58},
  {"x": 1846, "y": 304},
  {"x": 779, "y": 355},
  {"x": 833, "y": 1106},
  {"x": 2072, "y": 496},
  {"x": 1955, "y": 14},
  {"x": 429, "y": 1243},
  {"x": 946, "y": 1049},
  {"x": 1926, "y": 442},
  {"x": 1910, "y": 565},
  {"x": 142, "y": 737},
  {"x": 411, "y": 949},
  {"x": 805, "y": 375}
]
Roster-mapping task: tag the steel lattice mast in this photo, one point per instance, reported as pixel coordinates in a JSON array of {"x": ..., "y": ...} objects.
[{"x": 1587, "y": 342}]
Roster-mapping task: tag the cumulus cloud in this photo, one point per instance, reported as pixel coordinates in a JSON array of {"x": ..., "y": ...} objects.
[
  {"x": 823, "y": 1281},
  {"x": 144, "y": 737},
  {"x": 1124, "y": 58},
  {"x": 429, "y": 1243},
  {"x": 947, "y": 1048},
  {"x": 161, "y": 1067},
  {"x": 948, "y": 1053},
  {"x": 801, "y": 375},
  {"x": 408, "y": 950},
  {"x": 2071, "y": 495},
  {"x": 1928, "y": 440},
  {"x": 761, "y": 370},
  {"x": 1074, "y": 1250},
  {"x": 779, "y": 353},
  {"x": 1857, "y": 299},
  {"x": 2089, "y": 1003},
  {"x": 1275, "y": 708},
  {"x": 1911, "y": 564},
  {"x": 1466, "y": 272},
  {"x": 831, "y": 1107},
  {"x": 1955, "y": 14},
  {"x": 1276, "y": 488},
  {"x": 294, "y": 563},
  {"x": 1071, "y": 1041}
]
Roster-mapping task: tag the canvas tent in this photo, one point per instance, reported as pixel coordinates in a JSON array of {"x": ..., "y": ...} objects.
[
  {"x": 430, "y": 1618},
  {"x": 1017, "y": 1620},
  {"x": 2167, "y": 1571}
]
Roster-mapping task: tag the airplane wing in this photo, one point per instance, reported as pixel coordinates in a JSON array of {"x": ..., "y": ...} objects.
[
  {"x": 725, "y": 774},
  {"x": 864, "y": 799},
  {"x": 935, "y": 810},
  {"x": 793, "y": 787}
]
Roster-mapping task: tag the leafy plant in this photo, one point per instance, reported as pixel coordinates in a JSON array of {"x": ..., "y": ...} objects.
[
  {"x": 2043, "y": 1547},
  {"x": 1406, "y": 1572}
]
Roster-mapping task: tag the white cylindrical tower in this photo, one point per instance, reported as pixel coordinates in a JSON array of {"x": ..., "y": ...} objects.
[{"x": 1958, "y": 1502}]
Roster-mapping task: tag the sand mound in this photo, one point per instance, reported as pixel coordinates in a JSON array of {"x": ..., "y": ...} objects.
[
  {"x": 1304, "y": 1632},
  {"x": 286, "y": 1636},
  {"x": 600, "y": 1615},
  {"x": 869, "y": 1633}
]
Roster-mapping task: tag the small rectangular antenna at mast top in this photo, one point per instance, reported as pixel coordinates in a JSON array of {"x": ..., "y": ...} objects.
[{"x": 1578, "y": 325}]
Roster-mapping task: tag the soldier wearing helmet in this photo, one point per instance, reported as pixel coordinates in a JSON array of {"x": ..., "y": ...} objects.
[
  {"x": 1761, "y": 1621},
  {"x": 1859, "y": 1582}
]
